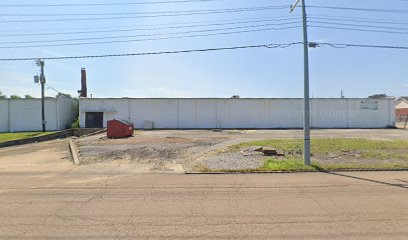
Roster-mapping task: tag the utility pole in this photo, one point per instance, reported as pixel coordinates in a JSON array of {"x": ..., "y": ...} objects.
[
  {"x": 41, "y": 64},
  {"x": 306, "y": 99}
]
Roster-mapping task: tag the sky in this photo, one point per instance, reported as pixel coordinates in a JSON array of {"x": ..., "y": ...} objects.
[{"x": 252, "y": 73}]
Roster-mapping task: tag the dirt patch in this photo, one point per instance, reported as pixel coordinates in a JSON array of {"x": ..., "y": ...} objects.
[
  {"x": 146, "y": 149},
  {"x": 192, "y": 148}
]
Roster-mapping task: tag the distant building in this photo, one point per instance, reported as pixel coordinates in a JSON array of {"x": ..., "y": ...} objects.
[{"x": 401, "y": 109}]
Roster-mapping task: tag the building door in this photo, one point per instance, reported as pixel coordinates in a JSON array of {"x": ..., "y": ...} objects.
[{"x": 94, "y": 120}]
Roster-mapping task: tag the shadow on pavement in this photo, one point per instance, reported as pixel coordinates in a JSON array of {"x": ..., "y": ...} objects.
[{"x": 405, "y": 185}]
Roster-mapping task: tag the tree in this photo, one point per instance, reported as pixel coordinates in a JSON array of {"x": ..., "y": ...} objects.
[
  {"x": 382, "y": 95},
  {"x": 65, "y": 95},
  {"x": 14, "y": 96},
  {"x": 2, "y": 96},
  {"x": 28, "y": 96}
]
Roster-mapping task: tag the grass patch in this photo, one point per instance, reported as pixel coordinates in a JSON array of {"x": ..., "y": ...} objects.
[
  {"x": 4, "y": 137},
  {"x": 286, "y": 165},
  {"x": 334, "y": 154},
  {"x": 297, "y": 165}
]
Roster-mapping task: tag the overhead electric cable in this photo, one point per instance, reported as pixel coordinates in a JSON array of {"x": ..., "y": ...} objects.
[
  {"x": 155, "y": 14},
  {"x": 272, "y": 45},
  {"x": 106, "y": 4},
  {"x": 152, "y": 34},
  {"x": 360, "y": 9},
  {"x": 146, "y": 13},
  {"x": 357, "y": 29},
  {"x": 359, "y": 25},
  {"x": 361, "y": 20},
  {"x": 152, "y": 39},
  {"x": 346, "y": 45},
  {"x": 46, "y": 84},
  {"x": 46, "y": 30},
  {"x": 148, "y": 29}
]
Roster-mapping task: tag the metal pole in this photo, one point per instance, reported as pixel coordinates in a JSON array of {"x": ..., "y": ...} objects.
[
  {"x": 42, "y": 80},
  {"x": 306, "y": 101}
]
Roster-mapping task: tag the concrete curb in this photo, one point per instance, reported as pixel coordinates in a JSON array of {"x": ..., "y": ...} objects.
[
  {"x": 47, "y": 137},
  {"x": 94, "y": 133},
  {"x": 74, "y": 151},
  {"x": 305, "y": 171},
  {"x": 52, "y": 136}
]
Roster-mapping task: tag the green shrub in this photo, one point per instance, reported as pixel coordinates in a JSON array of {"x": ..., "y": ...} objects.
[{"x": 75, "y": 124}]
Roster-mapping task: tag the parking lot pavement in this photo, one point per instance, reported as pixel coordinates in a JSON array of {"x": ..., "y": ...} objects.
[
  {"x": 37, "y": 158},
  {"x": 74, "y": 205}
]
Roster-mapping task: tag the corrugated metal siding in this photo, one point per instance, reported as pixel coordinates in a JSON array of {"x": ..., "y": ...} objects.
[{"x": 245, "y": 113}]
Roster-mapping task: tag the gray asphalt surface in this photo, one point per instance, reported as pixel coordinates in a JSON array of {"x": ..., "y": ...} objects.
[{"x": 78, "y": 204}]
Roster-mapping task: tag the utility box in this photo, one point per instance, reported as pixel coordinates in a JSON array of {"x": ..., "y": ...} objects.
[{"x": 118, "y": 128}]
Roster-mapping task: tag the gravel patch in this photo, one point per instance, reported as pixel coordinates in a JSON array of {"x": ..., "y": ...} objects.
[
  {"x": 233, "y": 161},
  {"x": 226, "y": 159}
]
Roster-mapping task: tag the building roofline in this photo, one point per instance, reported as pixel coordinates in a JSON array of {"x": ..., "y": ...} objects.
[{"x": 125, "y": 98}]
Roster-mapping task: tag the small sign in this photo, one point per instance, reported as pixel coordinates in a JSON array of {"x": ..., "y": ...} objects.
[{"x": 369, "y": 105}]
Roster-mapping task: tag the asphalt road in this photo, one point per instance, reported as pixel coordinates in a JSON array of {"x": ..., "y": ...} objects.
[{"x": 78, "y": 204}]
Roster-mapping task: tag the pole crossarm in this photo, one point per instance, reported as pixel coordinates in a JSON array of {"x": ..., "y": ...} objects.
[{"x": 294, "y": 6}]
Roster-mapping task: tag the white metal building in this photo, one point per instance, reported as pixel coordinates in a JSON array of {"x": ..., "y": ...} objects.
[
  {"x": 17, "y": 115},
  {"x": 243, "y": 113}
]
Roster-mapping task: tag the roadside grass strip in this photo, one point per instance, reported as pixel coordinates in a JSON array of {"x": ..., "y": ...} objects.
[{"x": 4, "y": 137}]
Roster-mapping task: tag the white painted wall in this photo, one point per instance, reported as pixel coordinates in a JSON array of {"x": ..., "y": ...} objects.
[
  {"x": 244, "y": 113},
  {"x": 4, "y": 115},
  {"x": 18, "y": 115}
]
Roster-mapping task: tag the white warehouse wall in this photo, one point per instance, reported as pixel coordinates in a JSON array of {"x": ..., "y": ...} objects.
[
  {"x": 19, "y": 115},
  {"x": 66, "y": 112},
  {"x": 4, "y": 116},
  {"x": 244, "y": 113}
]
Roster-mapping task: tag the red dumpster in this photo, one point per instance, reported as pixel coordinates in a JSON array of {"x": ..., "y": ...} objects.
[{"x": 118, "y": 128}]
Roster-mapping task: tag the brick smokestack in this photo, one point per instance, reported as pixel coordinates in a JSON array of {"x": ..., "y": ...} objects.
[{"x": 83, "y": 92}]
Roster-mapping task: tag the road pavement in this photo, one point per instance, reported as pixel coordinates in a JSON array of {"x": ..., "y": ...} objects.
[{"x": 107, "y": 204}]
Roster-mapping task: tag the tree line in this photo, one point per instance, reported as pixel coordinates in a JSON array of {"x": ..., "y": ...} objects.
[{"x": 28, "y": 96}]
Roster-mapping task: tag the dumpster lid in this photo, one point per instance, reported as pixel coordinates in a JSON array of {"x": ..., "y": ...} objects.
[{"x": 126, "y": 122}]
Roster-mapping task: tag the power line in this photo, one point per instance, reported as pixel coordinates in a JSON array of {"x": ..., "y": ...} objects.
[
  {"x": 359, "y": 18},
  {"x": 360, "y": 9},
  {"x": 153, "y": 39},
  {"x": 144, "y": 13},
  {"x": 272, "y": 45},
  {"x": 153, "y": 34},
  {"x": 346, "y": 45},
  {"x": 48, "y": 86},
  {"x": 157, "y": 14},
  {"x": 147, "y": 25},
  {"x": 359, "y": 25},
  {"x": 362, "y": 20},
  {"x": 149, "y": 29},
  {"x": 106, "y": 4},
  {"x": 357, "y": 29}
]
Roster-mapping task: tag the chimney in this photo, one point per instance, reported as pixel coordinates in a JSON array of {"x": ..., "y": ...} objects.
[{"x": 83, "y": 92}]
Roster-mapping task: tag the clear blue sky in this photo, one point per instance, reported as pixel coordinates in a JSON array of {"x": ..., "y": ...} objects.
[{"x": 261, "y": 72}]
